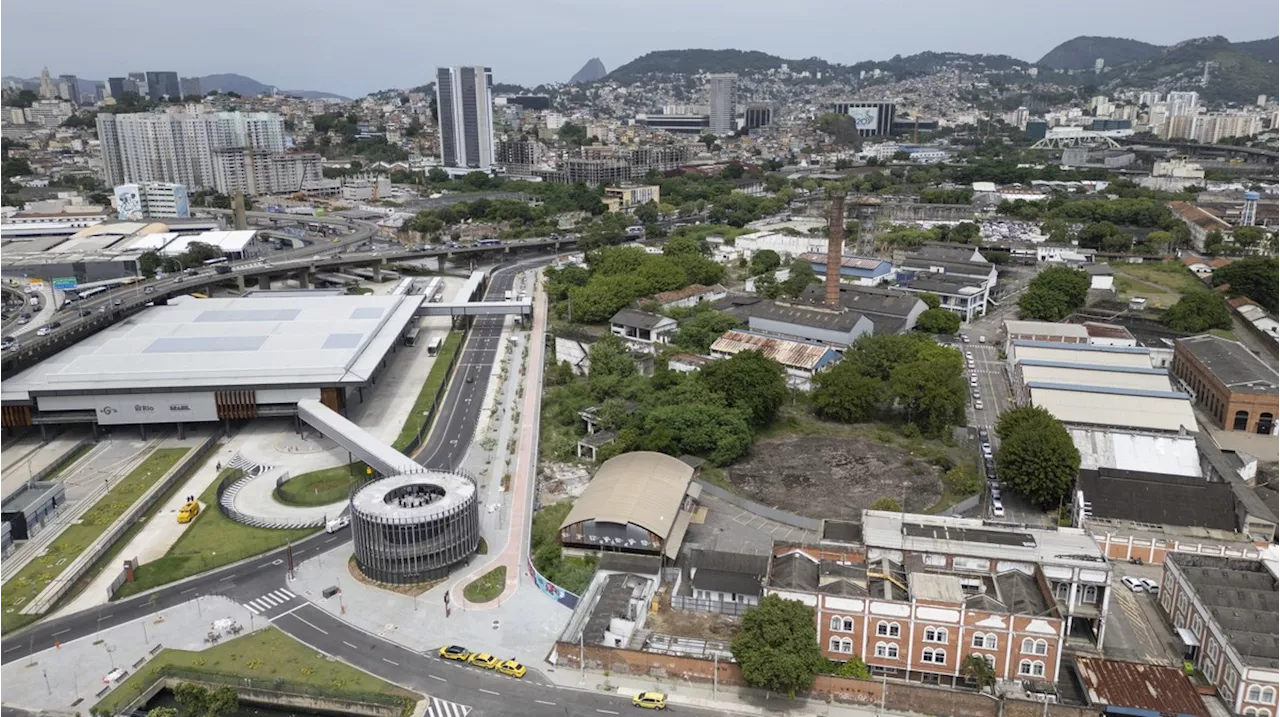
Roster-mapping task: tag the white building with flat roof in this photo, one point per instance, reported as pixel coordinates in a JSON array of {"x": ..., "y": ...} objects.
[{"x": 151, "y": 200}]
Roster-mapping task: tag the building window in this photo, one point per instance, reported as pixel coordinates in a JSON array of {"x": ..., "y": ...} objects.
[
  {"x": 848, "y": 624},
  {"x": 1090, "y": 594},
  {"x": 887, "y": 629},
  {"x": 1266, "y": 422},
  {"x": 1032, "y": 668},
  {"x": 835, "y": 623},
  {"x": 985, "y": 641},
  {"x": 932, "y": 634},
  {"x": 1262, "y": 695},
  {"x": 937, "y": 657},
  {"x": 842, "y": 644},
  {"x": 1242, "y": 421},
  {"x": 1034, "y": 647},
  {"x": 887, "y": 650}
]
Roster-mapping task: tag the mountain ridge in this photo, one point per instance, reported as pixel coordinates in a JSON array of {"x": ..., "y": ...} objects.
[
  {"x": 222, "y": 82},
  {"x": 1079, "y": 53},
  {"x": 590, "y": 72}
]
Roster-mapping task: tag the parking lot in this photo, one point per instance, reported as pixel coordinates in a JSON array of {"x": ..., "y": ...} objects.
[{"x": 1136, "y": 628}]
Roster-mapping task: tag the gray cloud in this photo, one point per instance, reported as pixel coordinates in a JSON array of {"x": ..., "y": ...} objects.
[{"x": 357, "y": 48}]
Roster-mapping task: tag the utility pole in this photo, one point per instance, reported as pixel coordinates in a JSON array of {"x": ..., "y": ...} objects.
[
  {"x": 715, "y": 674},
  {"x": 582, "y": 662}
]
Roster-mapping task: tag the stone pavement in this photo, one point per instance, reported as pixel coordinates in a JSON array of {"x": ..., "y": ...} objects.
[
  {"x": 26, "y": 457},
  {"x": 56, "y": 678},
  {"x": 728, "y": 699}
]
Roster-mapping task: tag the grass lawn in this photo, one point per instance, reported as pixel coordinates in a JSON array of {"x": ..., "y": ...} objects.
[
  {"x": 37, "y": 574},
  {"x": 435, "y": 379},
  {"x": 322, "y": 487},
  {"x": 211, "y": 541},
  {"x": 1127, "y": 287},
  {"x": 267, "y": 658},
  {"x": 1172, "y": 275},
  {"x": 487, "y": 586}
]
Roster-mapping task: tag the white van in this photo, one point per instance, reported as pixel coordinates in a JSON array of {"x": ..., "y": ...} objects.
[{"x": 337, "y": 524}]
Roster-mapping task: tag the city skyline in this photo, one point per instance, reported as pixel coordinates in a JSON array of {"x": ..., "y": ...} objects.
[{"x": 990, "y": 26}]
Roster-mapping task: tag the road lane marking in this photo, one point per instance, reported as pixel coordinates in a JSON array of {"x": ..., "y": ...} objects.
[
  {"x": 188, "y": 590},
  {"x": 312, "y": 626},
  {"x": 61, "y": 631},
  {"x": 105, "y": 617},
  {"x": 229, "y": 577},
  {"x": 330, "y": 540},
  {"x": 354, "y": 647},
  {"x": 544, "y": 702},
  {"x": 491, "y": 692},
  {"x": 391, "y": 662},
  {"x": 607, "y": 712},
  {"x": 437, "y": 678},
  {"x": 15, "y": 647}
]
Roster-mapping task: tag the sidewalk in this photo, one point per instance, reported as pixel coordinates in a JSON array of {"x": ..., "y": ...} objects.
[{"x": 730, "y": 699}]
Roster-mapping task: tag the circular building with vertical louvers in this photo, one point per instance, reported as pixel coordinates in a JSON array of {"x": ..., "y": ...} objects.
[{"x": 415, "y": 527}]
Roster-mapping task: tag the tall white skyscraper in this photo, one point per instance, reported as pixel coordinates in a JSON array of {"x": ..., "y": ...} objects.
[
  {"x": 721, "y": 90},
  {"x": 1182, "y": 103},
  {"x": 464, "y": 104},
  {"x": 226, "y": 151}
]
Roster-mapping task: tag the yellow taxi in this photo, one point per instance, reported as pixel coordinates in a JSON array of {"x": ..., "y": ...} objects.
[
  {"x": 188, "y": 511},
  {"x": 485, "y": 660},
  {"x": 650, "y": 700},
  {"x": 512, "y": 668},
  {"x": 455, "y": 652}
]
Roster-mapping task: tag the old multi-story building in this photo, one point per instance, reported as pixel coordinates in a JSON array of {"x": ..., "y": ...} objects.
[
  {"x": 1238, "y": 390},
  {"x": 1224, "y": 611},
  {"x": 923, "y": 593}
]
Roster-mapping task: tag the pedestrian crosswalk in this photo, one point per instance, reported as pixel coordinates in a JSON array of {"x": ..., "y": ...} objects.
[
  {"x": 271, "y": 600},
  {"x": 443, "y": 708}
]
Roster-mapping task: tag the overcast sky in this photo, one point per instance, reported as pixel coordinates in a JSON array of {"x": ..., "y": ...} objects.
[{"x": 353, "y": 48}]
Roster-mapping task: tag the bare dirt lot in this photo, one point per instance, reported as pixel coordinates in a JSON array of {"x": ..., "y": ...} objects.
[{"x": 834, "y": 476}]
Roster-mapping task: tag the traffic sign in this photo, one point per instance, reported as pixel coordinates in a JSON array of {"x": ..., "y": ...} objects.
[{"x": 65, "y": 283}]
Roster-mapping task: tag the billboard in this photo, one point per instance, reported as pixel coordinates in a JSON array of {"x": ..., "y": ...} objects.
[
  {"x": 865, "y": 118},
  {"x": 128, "y": 408},
  {"x": 65, "y": 283}
]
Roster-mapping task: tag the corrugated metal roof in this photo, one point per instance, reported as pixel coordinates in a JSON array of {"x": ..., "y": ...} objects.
[
  {"x": 1139, "y": 686},
  {"x": 1085, "y": 347},
  {"x": 1098, "y": 408},
  {"x": 1045, "y": 328},
  {"x": 1071, "y": 354},
  {"x": 848, "y": 262},
  {"x": 1169, "y": 455},
  {"x": 797, "y": 354},
  {"x": 1094, "y": 377},
  {"x": 643, "y": 487}
]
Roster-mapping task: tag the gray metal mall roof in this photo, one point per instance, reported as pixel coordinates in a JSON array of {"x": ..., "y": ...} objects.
[{"x": 210, "y": 343}]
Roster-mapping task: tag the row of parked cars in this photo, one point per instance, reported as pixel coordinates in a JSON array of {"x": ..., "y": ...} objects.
[
  {"x": 647, "y": 700},
  {"x": 989, "y": 466},
  {"x": 1141, "y": 585}
]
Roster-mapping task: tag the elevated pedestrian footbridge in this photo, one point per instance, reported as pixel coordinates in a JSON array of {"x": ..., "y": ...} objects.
[{"x": 383, "y": 459}]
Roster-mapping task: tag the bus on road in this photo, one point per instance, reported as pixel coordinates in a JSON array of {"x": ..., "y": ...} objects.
[{"x": 433, "y": 346}]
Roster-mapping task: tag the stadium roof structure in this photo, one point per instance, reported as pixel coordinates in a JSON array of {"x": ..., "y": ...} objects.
[{"x": 238, "y": 343}]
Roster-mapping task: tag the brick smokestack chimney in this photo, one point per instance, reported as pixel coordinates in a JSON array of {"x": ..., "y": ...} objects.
[{"x": 835, "y": 246}]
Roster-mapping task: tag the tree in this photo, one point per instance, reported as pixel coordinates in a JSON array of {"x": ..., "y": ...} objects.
[
  {"x": 1198, "y": 312},
  {"x": 767, "y": 286},
  {"x": 1255, "y": 278},
  {"x": 976, "y": 668},
  {"x": 436, "y": 175},
  {"x": 1072, "y": 284},
  {"x": 698, "y": 332},
  {"x": 1038, "y": 459},
  {"x": 845, "y": 394},
  {"x": 800, "y": 277},
  {"x": 931, "y": 389},
  {"x": 854, "y": 667},
  {"x": 938, "y": 321},
  {"x": 162, "y": 712},
  {"x": 15, "y": 167},
  {"x": 764, "y": 261},
  {"x": 930, "y": 299},
  {"x": 751, "y": 382},
  {"x": 192, "y": 698},
  {"x": 148, "y": 263},
  {"x": 223, "y": 700},
  {"x": 708, "y": 139},
  {"x": 572, "y": 134},
  {"x": 1042, "y": 304},
  {"x": 609, "y": 364},
  {"x": 647, "y": 213},
  {"x": 777, "y": 646},
  {"x": 21, "y": 98},
  {"x": 1023, "y": 419},
  {"x": 887, "y": 503},
  {"x": 714, "y": 432}
]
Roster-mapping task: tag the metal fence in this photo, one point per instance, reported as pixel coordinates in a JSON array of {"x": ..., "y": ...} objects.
[
  {"x": 795, "y": 521},
  {"x": 693, "y": 604}
]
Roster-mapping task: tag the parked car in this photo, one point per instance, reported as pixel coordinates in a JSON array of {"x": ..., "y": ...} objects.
[
  {"x": 650, "y": 700},
  {"x": 1134, "y": 584},
  {"x": 483, "y": 659},
  {"x": 455, "y": 652},
  {"x": 337, "y": 524},
  {"x": 995, "y": 491},
  {"x": 1151, "y": 586},
  {"x": 513, "y": 669},
  {"x": 997, "y": 508},
  {"x": 977, "y": 405}
]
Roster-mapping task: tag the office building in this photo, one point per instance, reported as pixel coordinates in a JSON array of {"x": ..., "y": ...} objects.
[
  {"x": 191, "y": 87},
  {"x": 464, "y": 102},
  {"x": 870, "y": 118},
  {"x": 139, "y": 80},
  {"x": 530, "y": 102},
  {"x": 759, "y": 114},
  {"x": 721, "y": 89},
  {"x": 69, "y": 88},
  {"x": 118, "y": 86},
  {"x": 151, "y": 200},
  {"x": 163, "y": 85},
  {"x": 676, "y": 123},
  {"x": 201, "y": 150},
  {"x": 48, "y": 90}
]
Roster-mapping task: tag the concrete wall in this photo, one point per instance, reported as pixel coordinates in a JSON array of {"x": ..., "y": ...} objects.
[{"x": 896, "y": 696}]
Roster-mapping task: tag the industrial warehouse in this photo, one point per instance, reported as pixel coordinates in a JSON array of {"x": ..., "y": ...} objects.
[{"x": 215, "y": 360}]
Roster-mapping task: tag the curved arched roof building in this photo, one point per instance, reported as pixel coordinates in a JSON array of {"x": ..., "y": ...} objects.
[{"x": 635, "y": 503}]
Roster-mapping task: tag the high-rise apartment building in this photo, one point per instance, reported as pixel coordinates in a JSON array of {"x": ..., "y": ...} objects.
[
  {"x": 721, "y": 89},
  {"x": 1182, "y": 103},
  {"x": 163, "y": 84},
  {"x": 191, "y": 88},
  {"x": 226, "y": 151},
  {"x": 464, "y": 104},
  {"x": 152, "y": 200},
  {"x": 759, "y": 114},
  {"x": 69, "y": 88}
]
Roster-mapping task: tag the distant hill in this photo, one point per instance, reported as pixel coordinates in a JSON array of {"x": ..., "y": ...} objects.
[
  {"x": 249, "y": 87},
  {"x": 690, "y": 62},
  {"x": 1079, "y": 53},
  {"x": 590, "y": 72},
  {"x": 1236, "y": 75}
]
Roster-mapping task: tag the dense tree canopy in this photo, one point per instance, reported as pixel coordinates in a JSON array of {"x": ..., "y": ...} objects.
[
  {"x": 777, "y": 646},
  {"x": 1054, "y": 294},
  {"x": 699, "y": 331},
  {"x": 1256, "y": 278},
  {"x": 1037, "y": 457},
  {"x": 1198, "y": 312},
  {"x": 750, "y": 382},
  {"x": 938, "y": 321}
]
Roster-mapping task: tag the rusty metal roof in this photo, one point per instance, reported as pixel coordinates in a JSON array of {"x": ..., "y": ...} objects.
[
  {"x": 797, "y": 354},
  {"x": 1140, "y": 686}
]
